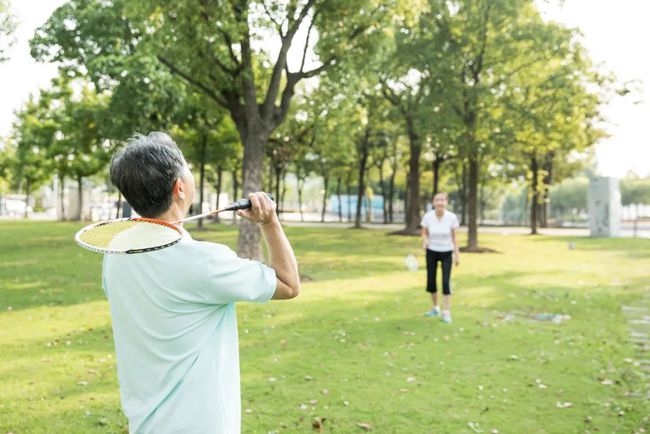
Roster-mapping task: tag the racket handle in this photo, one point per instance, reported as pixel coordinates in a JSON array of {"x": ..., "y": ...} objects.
[{"x": 243, "y": 204}]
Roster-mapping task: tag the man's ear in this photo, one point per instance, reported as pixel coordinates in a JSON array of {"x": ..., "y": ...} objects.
[{"x": 179, "y": 188}]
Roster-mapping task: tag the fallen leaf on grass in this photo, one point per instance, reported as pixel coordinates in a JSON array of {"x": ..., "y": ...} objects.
[
  {"x": 317, "y": 424},
  {"x": 365, "y": 426},
  {"x": 563, "y": 404}
]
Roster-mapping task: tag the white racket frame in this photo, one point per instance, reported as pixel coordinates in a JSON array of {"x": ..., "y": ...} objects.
[{"x": 90, "y": 247}]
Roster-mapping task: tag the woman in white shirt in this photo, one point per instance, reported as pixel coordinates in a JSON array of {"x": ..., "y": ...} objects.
[{"x": 439, "y": 240}]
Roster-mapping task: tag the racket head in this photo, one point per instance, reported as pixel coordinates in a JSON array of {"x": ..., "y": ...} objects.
[{"x": 128, "y": 236}]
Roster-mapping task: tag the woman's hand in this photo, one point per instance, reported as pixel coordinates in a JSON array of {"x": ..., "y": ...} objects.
[{"x": 456, "y": 259}]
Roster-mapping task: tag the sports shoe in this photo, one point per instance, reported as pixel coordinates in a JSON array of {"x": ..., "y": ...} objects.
[
  {"x": 446, "y": 317},
  {"x": 433, "y": 312}
]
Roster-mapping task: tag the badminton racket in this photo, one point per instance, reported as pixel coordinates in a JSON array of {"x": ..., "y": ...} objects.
[{"x": 140, "y": 234}]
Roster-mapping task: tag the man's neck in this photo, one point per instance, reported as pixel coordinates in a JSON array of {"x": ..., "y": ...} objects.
[{"x": 173, "y": 214}]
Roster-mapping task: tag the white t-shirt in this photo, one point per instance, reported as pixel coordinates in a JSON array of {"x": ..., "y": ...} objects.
[{"x": 440, "y": 230}]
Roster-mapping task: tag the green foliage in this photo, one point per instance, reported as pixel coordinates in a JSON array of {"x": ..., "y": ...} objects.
[
  {"x": 635, "y": 191},
  {"x": 6, "y": 165},
  {"x": 569, "y": 195},
  {"x": 32, "y": 134}
]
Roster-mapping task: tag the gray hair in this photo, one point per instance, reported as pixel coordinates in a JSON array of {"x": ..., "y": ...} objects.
[{"x": 145, "y": 171}]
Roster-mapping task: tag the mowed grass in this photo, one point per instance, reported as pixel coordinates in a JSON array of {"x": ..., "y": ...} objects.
[{"x": 354, "y": 348}]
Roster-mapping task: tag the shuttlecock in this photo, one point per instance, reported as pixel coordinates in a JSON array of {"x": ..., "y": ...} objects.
[{"x": 411, "y": 263}]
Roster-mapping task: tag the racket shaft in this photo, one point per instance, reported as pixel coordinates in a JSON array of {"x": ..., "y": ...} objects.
[{"x": 237, "y": 205}]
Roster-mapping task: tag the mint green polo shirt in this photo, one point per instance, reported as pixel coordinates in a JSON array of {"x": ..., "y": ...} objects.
[{"x": 175, "y": 332}]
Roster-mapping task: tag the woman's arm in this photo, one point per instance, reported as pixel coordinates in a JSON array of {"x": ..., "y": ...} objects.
[
  {"x": 456, "y": 250},
  {"x": 425, "y": 238}
]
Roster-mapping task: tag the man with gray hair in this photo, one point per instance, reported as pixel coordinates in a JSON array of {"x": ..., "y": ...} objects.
[{"x": 173, "y": 313}]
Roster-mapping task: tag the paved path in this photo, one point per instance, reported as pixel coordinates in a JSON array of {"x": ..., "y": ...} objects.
[
  {"x": 638, "y": 319},
  {"x": 643, "y": 232}
]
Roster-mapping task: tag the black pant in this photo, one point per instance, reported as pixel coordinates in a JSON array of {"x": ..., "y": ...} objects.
[{"x": 432, "y": 266}]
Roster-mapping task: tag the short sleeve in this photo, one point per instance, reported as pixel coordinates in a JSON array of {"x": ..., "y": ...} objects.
[
  {"x": 224, "y": 278},
  {"x": 454, "y": 222},
  {"x": 423, "y": 222}
]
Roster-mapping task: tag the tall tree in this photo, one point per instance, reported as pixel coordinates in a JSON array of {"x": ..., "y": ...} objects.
[
  {"x": 31, "y": 166},
  {"x": 215, "y": 47},
  {"x": 551, "y": 112},
  {"x": 485, "y": 44}
]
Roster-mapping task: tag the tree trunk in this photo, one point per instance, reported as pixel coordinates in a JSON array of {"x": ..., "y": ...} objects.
[
  {"x": 548, "y": 181},
  {"x": 119, "y": 204},
  {"x": 407, "y": 211},
  {"x": 383, "y": 194},
  {"x": 218, "y": 186},
  {"x": 366, "y": 197},
  {"x": 463, "y": 194},
  {"x": 28, "y": 192},
  {"x": 436, "y": 174},
  {"x": 338, "y": 195},
  {"x": 391, "y": 194},
  {"x": 235, "y": 192},
  {"x": 299, "y": 186},
  {"x": 413, "y": 221},
  {"x": 284, "y": 189},
  {"x": 363, "y": 159},
  {"x": 322, "y": 214},
  {"x": 80, "y": 192},
  {"x": 481, "y": 202},
  {"x": 249, "y": 233},
  {"x": 62, "y": 194},
  {"x": 533, "y": 196},
  {"x": 349, "y": 194},
  {"x": 269, "y": 188},
  {"x": 278, "y": 198},
  {"x": 204, "y": 147},
  {"x": 472, "y": 230}
]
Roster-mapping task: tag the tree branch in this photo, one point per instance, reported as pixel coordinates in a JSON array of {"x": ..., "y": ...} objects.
[
  {"x": 274, "y": 21},
  {"x": 304, "y": 51},
  {"x": 280, "y": 63},
  {"x": 205, "y": 88}
]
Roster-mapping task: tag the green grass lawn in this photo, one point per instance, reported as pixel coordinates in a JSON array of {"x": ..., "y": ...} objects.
[{"x": 354, "y": 348}]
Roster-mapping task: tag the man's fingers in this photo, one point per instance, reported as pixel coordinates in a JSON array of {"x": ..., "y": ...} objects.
[
  {"x": 255, "y": 202},
  {"x": 263, "y": 204}
]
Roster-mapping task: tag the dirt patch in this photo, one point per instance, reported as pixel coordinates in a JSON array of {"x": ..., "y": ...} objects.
[{"x": 407, "y": 232}]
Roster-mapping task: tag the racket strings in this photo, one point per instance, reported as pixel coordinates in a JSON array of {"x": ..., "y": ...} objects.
[
  {"x": 126, "y": 235},
  {"x": 102, "y": 235}
]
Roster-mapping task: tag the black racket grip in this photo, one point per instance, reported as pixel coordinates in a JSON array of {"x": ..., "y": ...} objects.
[{"x": 243, "y": 204}]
